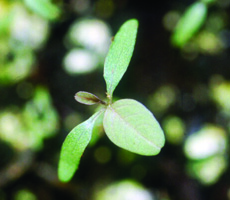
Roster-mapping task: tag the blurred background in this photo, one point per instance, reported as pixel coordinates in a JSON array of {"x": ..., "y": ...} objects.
[{"x": 180, "y": 70}]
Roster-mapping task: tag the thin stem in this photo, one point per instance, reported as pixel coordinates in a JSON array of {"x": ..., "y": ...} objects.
[{"x": 109, "y": 98}]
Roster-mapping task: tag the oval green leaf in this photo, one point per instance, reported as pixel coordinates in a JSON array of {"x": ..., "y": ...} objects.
[
  {"x": 119, "y": 55},
  {"x": 189, "y": 24},
  {"x": 87, "y": 98},
  {"x": 74, "y": 146},
  {"x": 130, "y": 125}
]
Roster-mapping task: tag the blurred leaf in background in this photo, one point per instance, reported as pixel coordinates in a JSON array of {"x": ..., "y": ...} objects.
[
  {"x": 199, "y": 29},
  {"x": 25, "y": 194},
  {"x": 21, "y": 34},
  {"x": 88, "y": 42},
  {"x": 125, "y": 189},
  {"x": 189, "y": 24},
  {"x": 206, "y": 150},
  {"x": 44, "y": 8},
  {"x": 50, "y": 49},
  {"x": 27, "y": 128},
  {"x": 174, "y": 129}
]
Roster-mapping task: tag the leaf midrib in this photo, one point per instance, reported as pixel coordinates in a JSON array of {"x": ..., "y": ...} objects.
[{"x": 138, "y": 132}]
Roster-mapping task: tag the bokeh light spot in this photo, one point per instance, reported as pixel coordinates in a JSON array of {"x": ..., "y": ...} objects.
[
  {"x": 102, "y": 154},
  {"x": 125, "y": 190},
  {"x": 162, "y": 99},
  {"x": 220, "y": 92},
  {"x": 80, "y": 61},
  {"x": 209, "y": 43},
  {"x": 91, "y": 34},
  {"x": 208, "y": 141},
  {"x": 209, "y": 170},
  {"x": 25, "y": 195},
  {"x": 174, "y": 129},
  {"x": 28, "y": 30},
  {"x": 170, "y": 20}
]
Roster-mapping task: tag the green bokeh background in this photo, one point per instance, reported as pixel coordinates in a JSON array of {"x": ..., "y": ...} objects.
[{"x": 49, "y": 50}]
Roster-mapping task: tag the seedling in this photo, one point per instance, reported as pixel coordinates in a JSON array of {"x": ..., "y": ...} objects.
[{"x": 127, "y": 122}]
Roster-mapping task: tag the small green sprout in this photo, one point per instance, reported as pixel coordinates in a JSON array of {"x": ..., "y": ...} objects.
[{"x": 127, "y": 122}]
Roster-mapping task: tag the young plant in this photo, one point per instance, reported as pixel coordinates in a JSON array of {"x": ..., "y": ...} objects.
[{"x": 127, "y": 123}]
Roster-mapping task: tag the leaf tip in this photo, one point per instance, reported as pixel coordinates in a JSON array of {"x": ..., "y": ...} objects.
[
  {"x": 63, "y": 178},
  {"x": 64, "y": 174}
]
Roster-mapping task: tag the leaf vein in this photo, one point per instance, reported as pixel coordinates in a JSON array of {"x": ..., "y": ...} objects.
[{"x": 135, "y": 130}]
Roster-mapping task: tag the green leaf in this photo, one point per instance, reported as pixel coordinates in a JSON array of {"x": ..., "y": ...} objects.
[
  {"x": 98, "y": 130},
  {"x": 130, "y": 125},
  {"x": 189, "y": 24},
  {"x": 119, "y": 55},
  {"x": 87, "y": 98},
  {"x": 44, "y": 8},
  {"x": 74, "y": 146}
]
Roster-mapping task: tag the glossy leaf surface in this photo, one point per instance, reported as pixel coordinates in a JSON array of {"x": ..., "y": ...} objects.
[
  {"x": 87, "y": 98},
  {"x": 74, "y": 146},
  {"x": 130, "y": 125},
  {"x": 119, "y": 55},
  {"x": 189, "y": 24}
]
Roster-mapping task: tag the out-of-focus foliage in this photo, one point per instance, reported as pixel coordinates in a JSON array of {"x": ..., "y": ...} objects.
[
  {"x": 220, "y": 92},
  {"x": 206, "y": 150},
  {"x": 21, "y": 33},
  {"x": 209, "y": 170},
  {"x": 88, "y": 41},
  {"x": 25, "y": 195},
  {"x": 198, "y": 29},
  {"x": 209, "y": 141},
  {"x": 126, "y": 190},
  {"x": 45, "y": 8},
  {"x": 28, "y": 127},
  {"x": 92, "y": 34},
  {"x": 189, "y": 24},
  {"x": 174, "y": 129},
  {"x": 50, "y": 49},
  {"x": 162, "y": 99}
]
